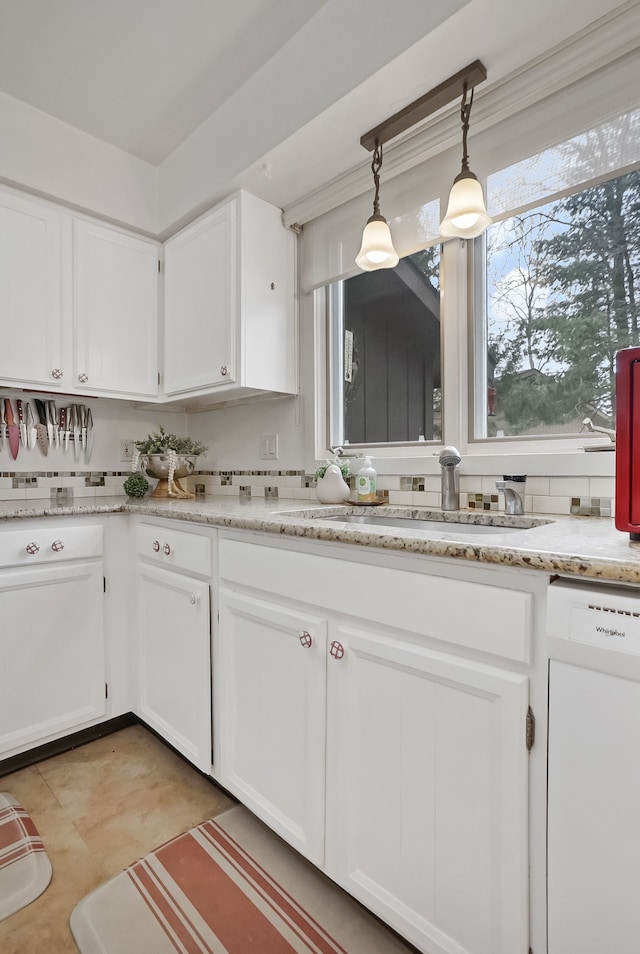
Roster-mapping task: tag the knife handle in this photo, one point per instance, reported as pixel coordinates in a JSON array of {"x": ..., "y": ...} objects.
[
  {"x": 8, "y": 412},
  {"x": 40, "y": 408},
  {"x": 20, "y": 413}
]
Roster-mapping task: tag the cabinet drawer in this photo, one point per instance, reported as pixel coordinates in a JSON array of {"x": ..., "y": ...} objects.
[
  {"x": 479, "y": 616},
  {"x": 176, "y": 549},
  {"x": 49, "y": 544}
]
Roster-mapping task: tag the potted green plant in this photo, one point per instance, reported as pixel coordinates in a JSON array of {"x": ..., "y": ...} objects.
[
  {"x": 167, "y": 457},
  {"x": 136, "y": 485}
]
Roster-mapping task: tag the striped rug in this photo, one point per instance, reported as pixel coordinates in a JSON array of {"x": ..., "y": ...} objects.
[
  {"x": 25, "y": 869},
  {"x": 210, "y": 891}
]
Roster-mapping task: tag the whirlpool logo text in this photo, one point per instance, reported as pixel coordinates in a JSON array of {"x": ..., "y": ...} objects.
[{"x": 610, "y": 632}]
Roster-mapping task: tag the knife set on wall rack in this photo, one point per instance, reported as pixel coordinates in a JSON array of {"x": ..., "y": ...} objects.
[{"x": 47, "y": 427}]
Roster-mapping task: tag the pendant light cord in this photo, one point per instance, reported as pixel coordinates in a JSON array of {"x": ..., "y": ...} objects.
[
  {"x": 465, "y": 113},
  {"x": 376, "y": 165}
]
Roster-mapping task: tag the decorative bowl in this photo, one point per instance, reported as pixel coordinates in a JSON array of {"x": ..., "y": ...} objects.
[{"x": 159, "y": 465}]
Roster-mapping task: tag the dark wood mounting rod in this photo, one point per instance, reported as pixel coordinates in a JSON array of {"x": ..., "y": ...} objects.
[{"x": 431, "y": 102}]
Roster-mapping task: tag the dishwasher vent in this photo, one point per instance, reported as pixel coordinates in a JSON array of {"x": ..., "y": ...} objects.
[{"x": 610, "y": 609}]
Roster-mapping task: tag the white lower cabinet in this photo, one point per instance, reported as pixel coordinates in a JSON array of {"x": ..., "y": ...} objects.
[
  {"x": 173, "y": 642},
  {"x": 426, "y": 792},
  {"x": 52, "y": 674},
  {"x": 396, "y": 765},
  {"x": 273, "y": 698}
]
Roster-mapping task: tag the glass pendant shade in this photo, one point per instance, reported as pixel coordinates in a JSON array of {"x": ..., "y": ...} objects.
[
  {"x": 466, "y": 215},
  {"x": 377, "y": 249}
]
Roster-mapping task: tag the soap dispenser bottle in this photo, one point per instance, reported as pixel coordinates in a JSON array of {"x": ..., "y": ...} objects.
[{"x": 366, "y": 482}]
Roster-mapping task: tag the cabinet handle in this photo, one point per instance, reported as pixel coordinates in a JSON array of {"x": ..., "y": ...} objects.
[
  {"x": 305, "y": 639},
  {"x": 156, "y": 546},
  {"x": 166, "y": 549},
  {"x": 56, "y": 374},
  {"x": 193, "y": 599},
  {"x": 224, "y": 371},
  {"x": 273, "y": 286},
  {"x": 336, "y": 649},
  {"x": 57, "y": 546},
  {"x": 83, "y": 378},
  {"x": 32, "y": 548}
]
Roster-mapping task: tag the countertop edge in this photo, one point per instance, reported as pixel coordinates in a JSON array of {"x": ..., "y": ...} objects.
[{"x": 545, "y": 551}]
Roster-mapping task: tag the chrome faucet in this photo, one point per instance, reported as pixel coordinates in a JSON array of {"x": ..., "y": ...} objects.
[
  {"x": 449, "y": 459},
  {"x": 513, "y": 489}
]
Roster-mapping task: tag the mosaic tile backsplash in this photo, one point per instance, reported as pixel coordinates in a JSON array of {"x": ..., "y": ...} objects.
[{"x": 583, "y": 496}]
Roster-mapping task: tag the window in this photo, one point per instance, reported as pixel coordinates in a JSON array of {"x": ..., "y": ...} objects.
[
  {"x": 385, "y": 366},
  {"x": 533, "y": 312},
  {"x": 562, "y": 296}
]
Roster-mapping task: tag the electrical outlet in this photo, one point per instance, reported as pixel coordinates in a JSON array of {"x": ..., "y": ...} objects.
[{"x": 127, "y": 448}]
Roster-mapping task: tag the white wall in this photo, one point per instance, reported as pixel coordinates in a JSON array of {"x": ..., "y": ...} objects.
[
  {"x": 234, "y": 435},
  {"x": 55, "y": 160}
]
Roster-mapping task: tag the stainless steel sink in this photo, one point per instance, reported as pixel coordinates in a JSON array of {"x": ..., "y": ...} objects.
[
  {"x": 458, "y": 523},
  {"x": 421, "y": 523}
]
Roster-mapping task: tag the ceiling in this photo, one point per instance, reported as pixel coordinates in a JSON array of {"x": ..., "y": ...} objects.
[
  {"x": 211, "y": 95},
  {"x": 139, "y": 74}
]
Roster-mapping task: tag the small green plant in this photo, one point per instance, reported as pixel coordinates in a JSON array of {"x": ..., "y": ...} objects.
[
  {"x": 161, "y": 443},
  {"x": 136, "y": 485},
  {"x": 344, "y": 466}
]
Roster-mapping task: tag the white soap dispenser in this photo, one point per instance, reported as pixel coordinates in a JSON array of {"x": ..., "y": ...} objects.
[{"x": 366, "y": 482}]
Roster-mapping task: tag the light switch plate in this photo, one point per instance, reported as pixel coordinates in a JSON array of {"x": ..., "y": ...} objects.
[{"x": 269, "y": 447}]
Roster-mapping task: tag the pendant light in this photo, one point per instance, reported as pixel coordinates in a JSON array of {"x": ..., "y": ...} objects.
[
  {"x": 377, "y": 249},
  {"x": 467, "y": 215}
]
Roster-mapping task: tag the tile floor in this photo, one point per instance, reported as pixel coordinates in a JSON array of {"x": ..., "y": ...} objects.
[{"x": 99, "y": 808}]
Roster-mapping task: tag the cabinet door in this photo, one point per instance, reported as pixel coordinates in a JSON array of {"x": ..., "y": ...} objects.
[
  {"x": 273, "y": 716},
  {"x": 115, "y": 311},
  {"x": 427, "y": 793},
  {"x": 52, "y": 670},
  {"x": 30, "y": 293},
  {"x": 267, "y": 264},
  {"x": 174, "y": 661},
  {"x": 200, "y": 322}
]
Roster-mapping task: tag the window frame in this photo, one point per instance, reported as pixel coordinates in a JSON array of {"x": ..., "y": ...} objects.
[{"x": 462, "y": 324}]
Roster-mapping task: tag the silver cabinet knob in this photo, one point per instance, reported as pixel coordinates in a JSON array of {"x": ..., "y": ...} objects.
[
  {"x": 193, "y": 599},
  {"x": 83, "y": 378},
  {"x": 56, "y": 374},
  {"x": 166, "y": 549},
  {"x": 224, "y": 370},
  {"x": 156, "y": 546},
  {"x": 32, "y": 548},
  {"x": 336, "y": 649},
  {"x": 305, "y": 639},
  {"x": 57, "y": 546}
]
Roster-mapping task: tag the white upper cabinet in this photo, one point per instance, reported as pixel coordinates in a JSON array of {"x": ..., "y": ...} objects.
[
  {"x": 78, "y": 303},
  {"x": 200, "y": 298},
  {"x": 115, "y": 311},
  {"x": 30, "y": 292},
  {"x": 229, "y": 327}
]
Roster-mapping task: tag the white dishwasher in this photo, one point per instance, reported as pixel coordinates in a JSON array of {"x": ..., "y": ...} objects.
[{"x": 594, "y": 769}]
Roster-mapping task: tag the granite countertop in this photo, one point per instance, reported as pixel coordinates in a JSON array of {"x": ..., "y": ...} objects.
[{"x": 572, "y": 546}]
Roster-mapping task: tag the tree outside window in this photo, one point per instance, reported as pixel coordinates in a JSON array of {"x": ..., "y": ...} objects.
[{"x": 562, "y": 298}]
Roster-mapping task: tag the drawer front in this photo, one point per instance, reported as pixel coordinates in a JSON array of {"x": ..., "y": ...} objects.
[
  {"x": 490, "y": 619},
  {"x": 175, "y": 549},
  {"x": 49, "y": 544}
]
